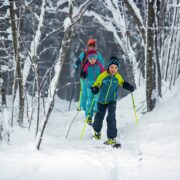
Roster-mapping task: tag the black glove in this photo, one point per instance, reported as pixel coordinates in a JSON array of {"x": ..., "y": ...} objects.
[
  {"x": 94, "y": 90},
  {"x": 128, "y": 86},
  {"x": 83, "y": 74}
]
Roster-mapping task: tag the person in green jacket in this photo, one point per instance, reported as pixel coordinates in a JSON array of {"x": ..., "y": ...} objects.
[{"x": 107, "y": 85}]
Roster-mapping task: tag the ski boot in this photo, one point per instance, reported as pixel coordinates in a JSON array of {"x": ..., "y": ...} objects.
[
  {"x": 79, "y": 109},
  {"x": 97, "y": 135},
  {"x": 89, "y": 121},
  {"x": 113, "y": 143}
]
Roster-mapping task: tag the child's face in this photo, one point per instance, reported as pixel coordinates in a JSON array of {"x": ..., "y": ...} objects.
[
  {"x": 91, "y": 47},
  {"x": 113, "y": 69},
  {"x": 92, "y": 61}
]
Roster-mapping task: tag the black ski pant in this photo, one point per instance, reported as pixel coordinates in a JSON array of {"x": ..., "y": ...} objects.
[{"x": 111, "y": 119}]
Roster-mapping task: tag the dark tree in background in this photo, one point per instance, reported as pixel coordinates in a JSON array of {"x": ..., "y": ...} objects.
[
  {"x": 150, "y": 71},
  {"x": 18, "y": 78}
]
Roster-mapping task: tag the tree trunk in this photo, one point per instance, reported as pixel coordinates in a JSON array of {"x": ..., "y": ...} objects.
[
  {"x": 18, "y": 72},
  {"x": 63, "y": 51},
  {"x": 157, "y": 51},
  {"x": 58, "y": 67},
  {"x": 174, "y": 62},
  {"x": 177, "y": 67},
  {"x": 150, "y": 75},
  {"x": 171, "y": 42}
]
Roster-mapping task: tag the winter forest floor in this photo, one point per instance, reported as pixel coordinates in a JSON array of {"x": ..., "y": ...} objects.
[{"x": 150, "y": 149}]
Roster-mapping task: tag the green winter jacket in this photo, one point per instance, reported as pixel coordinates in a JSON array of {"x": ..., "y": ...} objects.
[{"x": 108, "y": 85}]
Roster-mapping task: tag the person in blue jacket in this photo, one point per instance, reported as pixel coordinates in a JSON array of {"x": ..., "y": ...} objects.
[
  {"x": 107, "y": 85},
  {"x": 81, "y": 62},
  {"x": 90, "y": 73}
]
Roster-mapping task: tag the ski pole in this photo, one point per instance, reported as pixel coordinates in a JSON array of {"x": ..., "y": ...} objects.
[
  {"x": 71, "y": 124},
  {"x": 79, "y": 101},
  {"x": 85, "y": 123},
  {"x": 72, "y": 90},
  {"x": 83, "y": 130},
  {"x": 71, "y": 96},
  {"x": 136, "y": 118}
]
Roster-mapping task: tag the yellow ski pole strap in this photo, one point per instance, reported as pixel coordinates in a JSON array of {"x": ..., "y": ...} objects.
[
  {"x": 136, "y": 118},
  {"x": 83, "y": 130},
  {"x": 92, "y": 103},
  {"x": 85, "y": 124}
]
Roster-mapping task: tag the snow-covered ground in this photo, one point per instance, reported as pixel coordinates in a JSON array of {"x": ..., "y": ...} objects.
[{"x": 150, "y": 149}]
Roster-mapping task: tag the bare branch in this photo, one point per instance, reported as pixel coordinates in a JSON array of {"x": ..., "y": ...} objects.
[{"x": 136, "y": 18}]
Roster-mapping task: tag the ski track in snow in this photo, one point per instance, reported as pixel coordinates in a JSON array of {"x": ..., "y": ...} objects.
[{"x": 150, "y": 149}]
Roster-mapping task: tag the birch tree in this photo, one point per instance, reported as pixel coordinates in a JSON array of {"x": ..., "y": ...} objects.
[
  {"x": 171, "y": 40},
  {"x": 18, "y": 79},
  {"x": 69, "y": 23},
  {"x": 32, "y": 61}
]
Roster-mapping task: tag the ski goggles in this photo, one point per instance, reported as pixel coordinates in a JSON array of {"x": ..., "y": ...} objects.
[{"x": 92, "y": 56}]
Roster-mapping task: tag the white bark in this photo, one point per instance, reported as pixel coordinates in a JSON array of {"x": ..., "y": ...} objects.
[
  {"x": 34, "y": 43},
  {"x": 72, "y": 20}
]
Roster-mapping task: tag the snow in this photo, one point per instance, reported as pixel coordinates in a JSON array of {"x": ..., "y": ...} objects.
[
  {"x": 5, "y": 3},
  {"x": 35, "y": 42},
  {"x": 67, "y": 23},
  {"x": 136, "y": 10},
  {"x": 150, "y": 149},
  {"x": 113, "y": 24},
  {"x": 4, "y": 68}
]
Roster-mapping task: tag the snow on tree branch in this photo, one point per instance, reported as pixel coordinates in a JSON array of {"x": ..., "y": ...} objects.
[
  {"x": 68, "y": 26},
  {"x": 34, "y": 43},
  {"x": 137, "y": 16}
]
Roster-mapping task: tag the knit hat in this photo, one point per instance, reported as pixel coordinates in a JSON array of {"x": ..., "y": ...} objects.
[
  {"x": 92, "y": 55},
  {"x": 115, "y": 61},
  {"x": 91, "y": 42}
]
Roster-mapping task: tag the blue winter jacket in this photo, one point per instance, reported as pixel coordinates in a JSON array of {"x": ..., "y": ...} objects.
[
  {"x": 108, "y": 85},
  {"x": 92, "y": 71}
]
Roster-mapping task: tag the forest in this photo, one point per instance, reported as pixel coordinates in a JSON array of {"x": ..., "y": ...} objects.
[{"x": 40, "y": 40}]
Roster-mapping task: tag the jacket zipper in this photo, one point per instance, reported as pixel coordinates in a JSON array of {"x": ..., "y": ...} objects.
[{"x": 108, "y": 89}]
